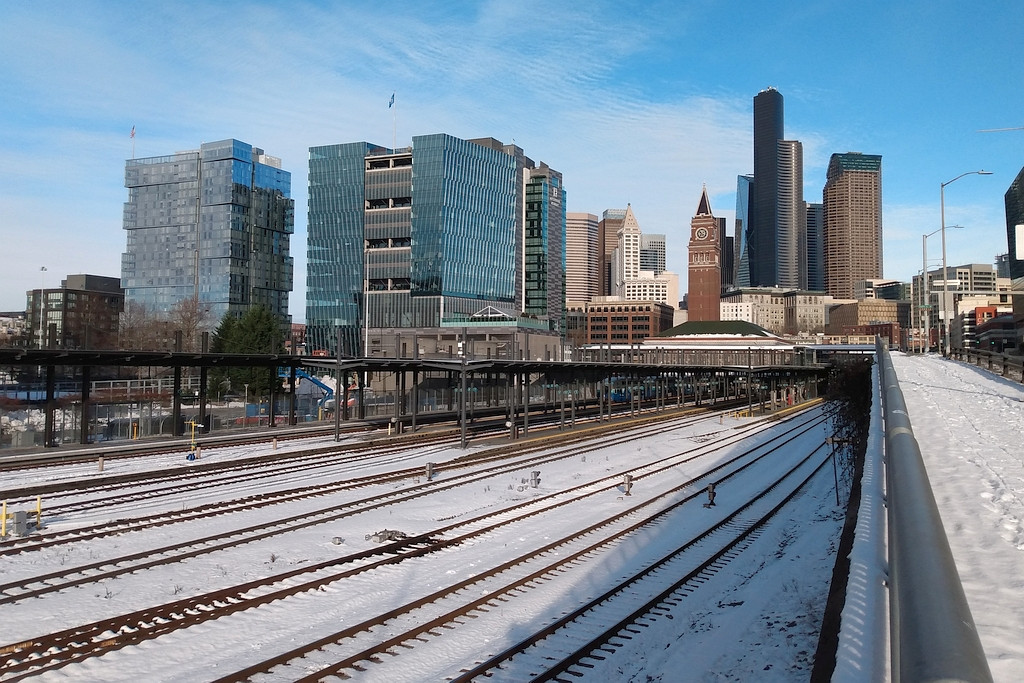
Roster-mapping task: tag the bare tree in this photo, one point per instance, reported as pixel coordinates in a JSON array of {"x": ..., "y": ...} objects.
[
  {"x": 140, "y": 329},
  {"x": 191, "y": 317}
]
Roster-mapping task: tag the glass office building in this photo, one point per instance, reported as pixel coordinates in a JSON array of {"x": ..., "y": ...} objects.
[
  {"x": 744, "y": 188},
  {"x": 426, "y": 236},
  {"x": 544, "y": 248},
  {"x": 213, "y": 223}
]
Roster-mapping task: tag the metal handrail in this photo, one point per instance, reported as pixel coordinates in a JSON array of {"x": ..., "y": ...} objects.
[{"x": 932, "y": 634}]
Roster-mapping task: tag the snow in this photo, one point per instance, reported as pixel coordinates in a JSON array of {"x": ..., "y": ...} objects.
[
  {"x": 969, "y": 425},
  {"x": 755, "y": 620}
]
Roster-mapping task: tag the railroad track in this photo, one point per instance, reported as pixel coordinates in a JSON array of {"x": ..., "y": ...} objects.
[
  {"x": 460, "y": 607},
  {"x": 71, "y": 645},
  {"x": 499, "y": 456}
]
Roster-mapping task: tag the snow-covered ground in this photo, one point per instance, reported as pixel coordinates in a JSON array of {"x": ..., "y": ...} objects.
[
  {"x": 756, "y": 621},
  {"x": 969, "y": 424}
]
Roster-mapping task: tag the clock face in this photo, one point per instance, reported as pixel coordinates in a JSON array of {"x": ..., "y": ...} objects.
[{"x": 702, "y": 233}]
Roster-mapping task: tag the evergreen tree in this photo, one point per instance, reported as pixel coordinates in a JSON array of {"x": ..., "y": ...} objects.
[{"x": 256, "y": 332}]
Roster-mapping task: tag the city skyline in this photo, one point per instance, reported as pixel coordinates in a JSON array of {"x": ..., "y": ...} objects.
[{"x": 644, "y": 121}]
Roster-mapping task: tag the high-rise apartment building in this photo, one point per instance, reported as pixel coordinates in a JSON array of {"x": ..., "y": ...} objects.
[
  {"x": 212, "y": 224},
  {"x": 815, "y": 241},
  {"x": 776, "y": 202},
  {"x": 581, "y": 271},
  {"x": 443, "y": 233},
  {"x": 852, "y": 201}
]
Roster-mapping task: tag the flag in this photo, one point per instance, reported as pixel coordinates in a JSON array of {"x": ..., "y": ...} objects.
[
  {"x": 133, "y": 132},
  {"x": 392, "y": 100}
]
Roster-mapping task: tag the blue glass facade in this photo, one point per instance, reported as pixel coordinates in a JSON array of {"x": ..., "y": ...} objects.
[
  {"x": 334, "y": 280},
  {"x": 744, "y": 185},
  {"x": 419, "y": 237},
  {"x": 464, "y": 220},
  {"x": 213, "y": 224}
]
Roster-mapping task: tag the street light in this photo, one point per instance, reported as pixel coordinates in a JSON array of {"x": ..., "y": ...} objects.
[
  {"x": 945, "y": 271},
  {"x": 42, "y": 304},
  {"x": 925, "y": 298}
]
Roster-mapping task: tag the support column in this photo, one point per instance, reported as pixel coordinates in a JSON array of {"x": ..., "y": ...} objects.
[
  {"x": 415, "y": 397},
  {"x": 512, "y": 417},
  {"x": 524, "y": 390},
  {"x": 83, "y": 427},
  {"x": 177, "y": 428},
  {"x": 291, "y": 396},
  {"x": 203, "y": 417},
  {"x": 48, "y": 428}
]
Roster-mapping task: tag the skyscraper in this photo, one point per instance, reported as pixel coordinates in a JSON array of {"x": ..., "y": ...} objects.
[
  {"x": 582, "y": 276},
  {"x": 429, "y": 235},
  {"x": 744, "y": 190},
  {"x": 626, "y": 262},
  {"x": 852, "y": 201},
  {"x": 652, "y": 253},
  {"x": 544, "y": 247},
  {"x": 815, "y": 247},
  {"x": 607, "y": 241},
  {"x": 762, "y": 247},
  {"x": 791, "y": 220},
  {"x": 212, "y": 223},
  {"x": 776, "y": 208},
  {"x": 630, "y": 279},
  {"x": 727, "y": 249}
]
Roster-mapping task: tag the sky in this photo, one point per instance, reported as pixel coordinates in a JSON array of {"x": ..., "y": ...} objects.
[{"x": 638, "y": 103}]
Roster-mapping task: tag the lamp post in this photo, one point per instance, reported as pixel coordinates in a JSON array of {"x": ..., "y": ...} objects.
[
  {"x": 42, "y": 305},
  {"x": 925, "y": 298},
  {"x": 945, "y": 271}
]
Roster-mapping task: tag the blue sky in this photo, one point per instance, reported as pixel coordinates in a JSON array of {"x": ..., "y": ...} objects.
[{"x": 638, "y": 102}]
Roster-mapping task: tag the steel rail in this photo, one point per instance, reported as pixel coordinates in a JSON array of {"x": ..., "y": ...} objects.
[{"x": 932, "y": 634}]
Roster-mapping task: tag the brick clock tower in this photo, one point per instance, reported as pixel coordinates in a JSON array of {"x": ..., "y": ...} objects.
[{"x": 705, "y": 268}]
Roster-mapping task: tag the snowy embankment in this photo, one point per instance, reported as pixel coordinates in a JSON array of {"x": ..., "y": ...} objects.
[{"x": 969, "y": 424}]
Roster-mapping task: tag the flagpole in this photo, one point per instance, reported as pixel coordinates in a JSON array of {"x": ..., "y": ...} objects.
[
  {"x": 394, "y": 126},
  {"x": 133, "y": 141}
]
